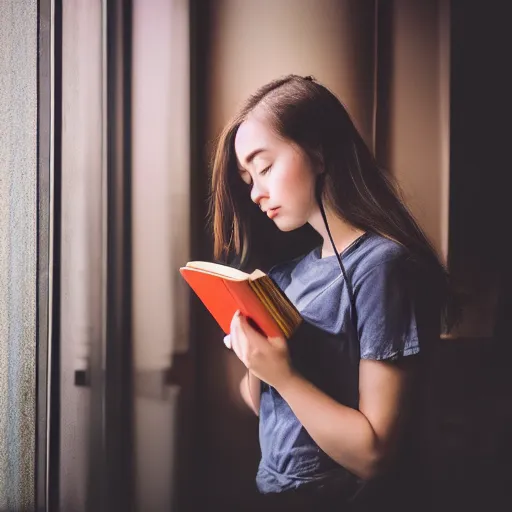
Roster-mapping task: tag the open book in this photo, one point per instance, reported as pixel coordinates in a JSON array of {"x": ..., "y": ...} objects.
[{"x": 224, "y": 290}]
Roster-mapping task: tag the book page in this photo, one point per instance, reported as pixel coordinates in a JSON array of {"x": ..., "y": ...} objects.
[{"x": 219, "y": 270}]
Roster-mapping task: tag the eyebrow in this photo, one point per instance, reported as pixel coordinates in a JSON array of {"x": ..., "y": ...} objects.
[{"x": 250, "y": 157}]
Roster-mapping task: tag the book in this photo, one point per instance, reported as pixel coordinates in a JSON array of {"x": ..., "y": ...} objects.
[{"x": 224, "y": 290}]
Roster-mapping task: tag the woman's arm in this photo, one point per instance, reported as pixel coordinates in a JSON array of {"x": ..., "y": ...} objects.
[
  {"x": 250, "y": 386},
  {"x": 360, "y": 440},
  {"x": 250, "y": 391}
]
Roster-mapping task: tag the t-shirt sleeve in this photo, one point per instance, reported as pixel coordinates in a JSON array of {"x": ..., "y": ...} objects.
[{"x": 386, "y": 312}]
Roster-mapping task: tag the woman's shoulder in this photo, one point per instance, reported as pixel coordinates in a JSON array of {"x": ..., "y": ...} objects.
[
  {"x": 381, "y": 259},
  {"x": 379, "y": 250}
]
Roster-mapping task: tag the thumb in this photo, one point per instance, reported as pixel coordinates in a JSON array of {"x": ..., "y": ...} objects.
[
  {"x": 227, "y": 341},
  {"x": 278, "y": 342}
]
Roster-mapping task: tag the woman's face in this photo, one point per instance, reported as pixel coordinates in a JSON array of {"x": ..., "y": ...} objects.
[{"x": 280, "y": 174}]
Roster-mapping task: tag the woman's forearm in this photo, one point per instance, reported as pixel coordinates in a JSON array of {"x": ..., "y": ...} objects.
[{"x": 250, "y": 391}]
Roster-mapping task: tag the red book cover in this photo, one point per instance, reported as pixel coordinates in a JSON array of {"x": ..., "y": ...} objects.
[{"x": 223, "y": 296}]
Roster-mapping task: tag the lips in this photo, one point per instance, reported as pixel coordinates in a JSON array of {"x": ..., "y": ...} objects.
[{"x": 272, "y": 212}]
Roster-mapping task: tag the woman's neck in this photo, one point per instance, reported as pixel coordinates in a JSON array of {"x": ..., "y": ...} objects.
[{"x": 342, "y": 232}]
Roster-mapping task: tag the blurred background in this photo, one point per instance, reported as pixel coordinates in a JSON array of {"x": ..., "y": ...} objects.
[{"x": 116, "y": 391}]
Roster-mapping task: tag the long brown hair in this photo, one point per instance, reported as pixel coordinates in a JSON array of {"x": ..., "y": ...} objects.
[{"x": 305, "y": 112}]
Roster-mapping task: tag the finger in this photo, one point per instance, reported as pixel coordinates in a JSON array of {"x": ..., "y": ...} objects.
[
  {"x": 227, "y": 341},
  {"x": 252, "y": 334},
  {"x": 235, "y": 320},
  {"x": 234, "y": 335},
  {"x": 238, "y": 340},
  {"x": 244, "y": 324},
  {"x": 278, "y": 342}
]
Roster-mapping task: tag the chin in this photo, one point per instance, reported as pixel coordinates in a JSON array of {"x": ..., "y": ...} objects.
[{"x": 284, "y": 226}]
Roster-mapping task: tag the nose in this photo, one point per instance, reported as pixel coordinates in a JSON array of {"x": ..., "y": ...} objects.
[{"x": 257, "y": 193}]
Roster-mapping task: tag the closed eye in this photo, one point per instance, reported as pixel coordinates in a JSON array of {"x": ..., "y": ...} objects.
[
  {"x": 245, "y": 177},
  {"x": 246, "y": 174}
]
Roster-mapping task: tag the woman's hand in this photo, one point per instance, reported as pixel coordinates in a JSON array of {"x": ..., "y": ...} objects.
[{"x": 266, "y": 358}]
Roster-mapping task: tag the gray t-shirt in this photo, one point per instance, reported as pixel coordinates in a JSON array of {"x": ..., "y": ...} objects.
[{"x": 327, "y": 351}]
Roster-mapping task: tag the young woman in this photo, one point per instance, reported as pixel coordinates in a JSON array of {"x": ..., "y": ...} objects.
[{"x": 335, "y": 402}]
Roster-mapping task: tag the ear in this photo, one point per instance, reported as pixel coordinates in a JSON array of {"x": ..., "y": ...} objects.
[
  {"x": 319, "y": 186},
  {"x": 318, "y": 161}
]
